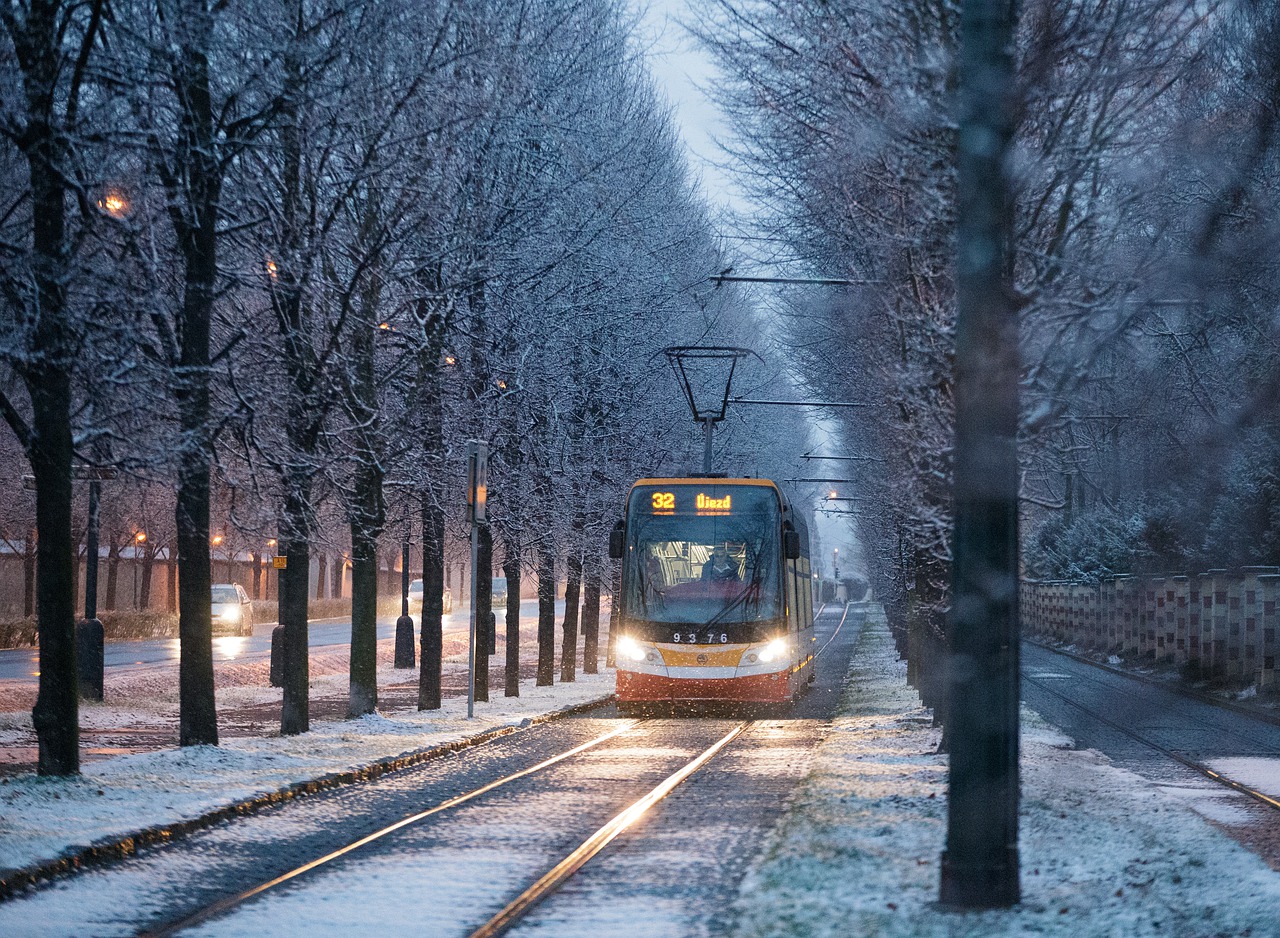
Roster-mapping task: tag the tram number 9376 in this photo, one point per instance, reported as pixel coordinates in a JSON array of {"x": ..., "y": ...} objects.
[{"x": 691, "y": 638}]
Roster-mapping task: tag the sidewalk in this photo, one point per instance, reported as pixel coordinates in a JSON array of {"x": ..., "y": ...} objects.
[{"x": 1103, "y": 852}]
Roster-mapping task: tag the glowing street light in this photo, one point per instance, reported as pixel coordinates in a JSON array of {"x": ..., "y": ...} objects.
[{"x": 114, "y": 204}]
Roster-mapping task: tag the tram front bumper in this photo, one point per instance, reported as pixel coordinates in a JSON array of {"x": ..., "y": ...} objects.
[{"x": 637, "y": 687}]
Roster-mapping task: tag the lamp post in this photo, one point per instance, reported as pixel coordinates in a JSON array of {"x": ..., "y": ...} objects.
[
  {"x": 705, "y": 373},
  {"x": 138, "y": 539}
]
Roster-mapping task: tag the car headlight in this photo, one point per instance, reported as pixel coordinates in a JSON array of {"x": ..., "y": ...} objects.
[
  {"x": 774, "y": 650},
  {"x": 230, "y": 614},
  {"x": 629, "y": 648}
]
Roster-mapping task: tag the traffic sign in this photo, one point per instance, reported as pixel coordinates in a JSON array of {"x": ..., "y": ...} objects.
[{"x": 477, "y": 480}]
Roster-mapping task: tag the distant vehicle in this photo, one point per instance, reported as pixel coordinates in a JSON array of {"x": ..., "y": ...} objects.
[
  {"x": 415, "y": 598},
  {"x": 499, "y": 590},
  {"x": 232, "y": 609}
]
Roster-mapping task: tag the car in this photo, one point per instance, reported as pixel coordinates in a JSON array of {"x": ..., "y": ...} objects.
[
  {"x": 415, "y": 598},
  {"x": 232, "y": 609},
  {"x": 499, "y": 590}
]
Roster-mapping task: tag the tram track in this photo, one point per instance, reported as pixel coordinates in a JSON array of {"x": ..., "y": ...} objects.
[
  {"x": 529, "y": 898},
  {"x": 1173, "y": 754},
  {"x": 546, "y": 884}
]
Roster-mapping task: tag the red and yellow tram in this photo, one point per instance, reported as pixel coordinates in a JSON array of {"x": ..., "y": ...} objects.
[{"x": 717, "y": 598}]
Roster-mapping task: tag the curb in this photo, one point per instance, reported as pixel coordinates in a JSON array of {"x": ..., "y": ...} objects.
[
  {"x": 14, "y": 881},
  {"x": 1178, "y": 689}
]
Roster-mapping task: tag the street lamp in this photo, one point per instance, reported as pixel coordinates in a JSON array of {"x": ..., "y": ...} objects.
[
  {"x": 139, "y": 539},
  {"x": 705, "y": 373}
]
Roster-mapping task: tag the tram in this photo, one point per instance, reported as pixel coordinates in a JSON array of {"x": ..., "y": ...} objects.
[{"x": 717, "y": 597}]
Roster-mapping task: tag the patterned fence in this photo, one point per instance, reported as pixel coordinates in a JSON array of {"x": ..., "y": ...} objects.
[{"x": 1222, "y": 623}]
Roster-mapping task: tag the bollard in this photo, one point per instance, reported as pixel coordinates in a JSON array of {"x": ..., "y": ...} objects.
[
  {"x": 89, "y": 658},
  {"x": 277, "y": 656},
  {"x": 404, "y": 642}
]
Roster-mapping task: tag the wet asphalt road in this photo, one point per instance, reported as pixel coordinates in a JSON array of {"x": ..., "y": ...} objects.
[
  {"x": 1197, "y": 730},
  {"x": 676, "y": 870}
]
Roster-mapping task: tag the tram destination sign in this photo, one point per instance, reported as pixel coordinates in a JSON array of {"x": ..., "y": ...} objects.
[{"x": 669, "y": 502}]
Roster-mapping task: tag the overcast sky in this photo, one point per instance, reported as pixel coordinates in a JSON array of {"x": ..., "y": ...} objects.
[{"x": 682, "y": 69}]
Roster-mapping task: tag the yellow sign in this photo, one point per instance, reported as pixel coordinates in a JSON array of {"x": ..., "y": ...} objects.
[{"x": 280, "y": 563}]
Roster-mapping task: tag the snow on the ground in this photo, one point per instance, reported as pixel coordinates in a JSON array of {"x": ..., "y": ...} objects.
[
  {"x": 1260, "y": 772},
  {"x": 1103, "y": 852},
  {"x": 40, "y": 818}
]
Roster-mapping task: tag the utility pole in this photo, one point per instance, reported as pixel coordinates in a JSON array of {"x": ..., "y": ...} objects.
[
  {"x": 477, "y": 498},
  {"x": 980, "y": 863}
]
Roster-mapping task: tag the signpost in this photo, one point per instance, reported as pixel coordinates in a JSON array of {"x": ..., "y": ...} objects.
[{"x": 477, "y": 498}]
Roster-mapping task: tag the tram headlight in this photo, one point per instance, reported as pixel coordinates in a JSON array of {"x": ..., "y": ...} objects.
[
  {"x": 629, "y": 648},
  {"x": 774, "y": 650}
]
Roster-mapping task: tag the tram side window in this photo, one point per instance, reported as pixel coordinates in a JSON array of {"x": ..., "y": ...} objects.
[
  {"x": 806, "y": 590},
  {"x": 793, "y": 610}
]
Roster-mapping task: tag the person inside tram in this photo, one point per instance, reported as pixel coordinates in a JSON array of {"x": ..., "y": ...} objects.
[
  {"x": 655, "y": 580},
  {"x": 720, "y": 567}
]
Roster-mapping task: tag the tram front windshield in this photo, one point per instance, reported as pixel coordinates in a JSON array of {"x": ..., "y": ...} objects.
[{"x": 703, "y": 555}]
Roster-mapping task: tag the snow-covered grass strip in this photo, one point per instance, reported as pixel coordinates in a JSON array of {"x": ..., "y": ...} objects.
[{"x": 1104, "y": 852}]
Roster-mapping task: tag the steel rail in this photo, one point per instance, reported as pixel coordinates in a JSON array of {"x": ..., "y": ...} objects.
[
  {"x": 839, "y": 626},
  {"x": 554, "y": 878},
  {"x": 1163, "y": 750},
  {"x": 230, "y": 902}
]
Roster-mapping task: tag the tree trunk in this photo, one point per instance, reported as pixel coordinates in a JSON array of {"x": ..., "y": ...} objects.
[
  {"x": 339, "y": 570},
  {"x": 43, "y": 42},
  {"x": 322, "y": 573},
  {"x": 432, "y": 603},
  {"x": 144, "y": 591},
  {"x": 511, "y": 570},
  {"x": 197, "y": 713},
  {"x": 29, "y": 575},
  {"x": 196, "y": 187},
  {"x": 546, "y": 617},
  {"x": 294, "y": 583},
  {"x": 255, "y": 562},
  {"x": 171, "y": 578},
  {"x": 56, "y": 715},
  {"x": 433, "y": 519},
  {"x": 569, "y": 628},
  {"x": 367, "y": 517},
  {"x": 591, "y": 624},
  {"x": 362, "y": 697},
  {"x": 113, "y": 574},
  {"x": 980, "y": 865}
]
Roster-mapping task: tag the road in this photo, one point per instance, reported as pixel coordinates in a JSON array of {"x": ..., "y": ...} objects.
[
  {"x": 17, "y": 663},
  {"x": 674, "y": 873}
]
